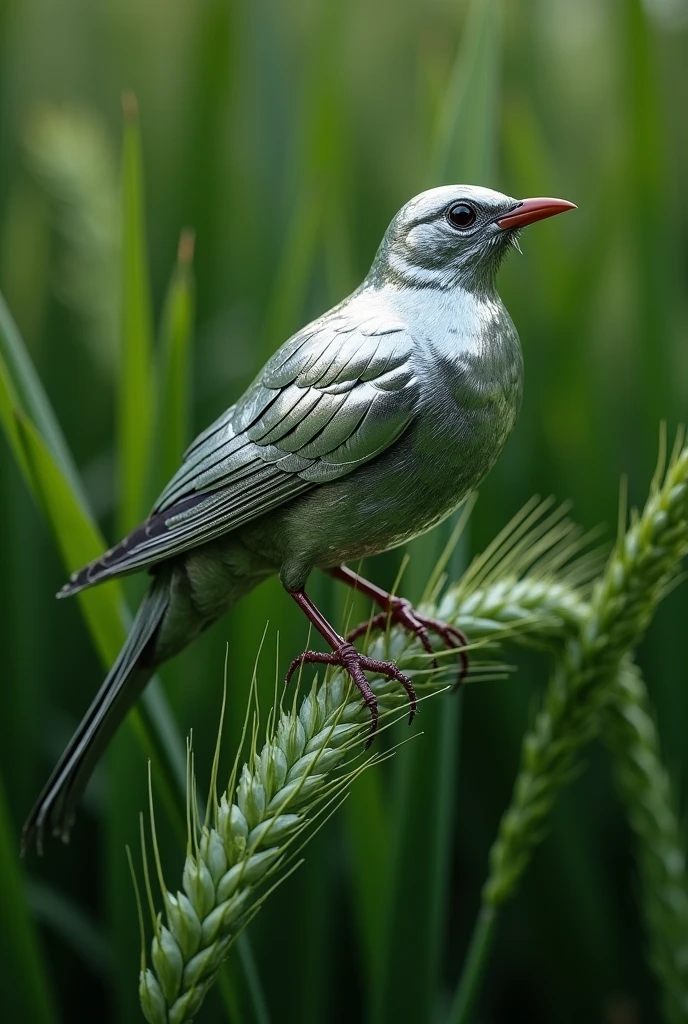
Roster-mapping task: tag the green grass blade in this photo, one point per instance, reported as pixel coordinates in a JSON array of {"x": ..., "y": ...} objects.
[
  {"x": 474, "y": 966},
  {"x": 135, "y": 392},
  {"x": 76, "y": 535},
  {"x": 290, "y": 287},
  {"x": 8, "y": 405},
  {"x": 174, "y": 374},
  {"x": 26, "y": 994},
  {"x": 79, "y": 540},
  {"x": 467, "y": 136},
  {"x": 134, "y": 440},
  {"x": 23, "y": 384},
  {"x": 253, "y": 982},
  {"x": 649, "y": 185}
]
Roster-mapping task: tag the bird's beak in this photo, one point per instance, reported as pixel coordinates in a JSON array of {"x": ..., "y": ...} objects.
[{"x": 530, "y": 210}]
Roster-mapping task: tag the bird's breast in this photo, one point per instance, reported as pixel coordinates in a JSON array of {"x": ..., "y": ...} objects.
[
  {"x": 468, "y": 395},
  {"x": 471, "y": 394}
]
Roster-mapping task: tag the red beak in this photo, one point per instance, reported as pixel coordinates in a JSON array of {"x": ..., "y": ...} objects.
[{"x": 530, "y": 210}]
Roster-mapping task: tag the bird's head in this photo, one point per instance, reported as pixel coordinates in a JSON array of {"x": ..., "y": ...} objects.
[{"x": 455, "y": 235}]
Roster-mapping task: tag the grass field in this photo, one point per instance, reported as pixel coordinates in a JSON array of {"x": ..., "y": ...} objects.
[{"x": 276, "y": 141}]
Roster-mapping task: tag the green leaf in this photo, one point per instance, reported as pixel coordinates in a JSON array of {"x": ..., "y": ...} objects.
[
  {"x": 134, "y": 440},
  {"x": 45, "y": 468},
  {"x": 77, "y": 538},
  {"x": 8, "y": 404},
  {"x": 174, "y": 374},
  {"x": 295, "y": 268},
  {"x": 467, "y": 137},
  {"x": 23, "y": 388},
  {"x": 135, "y": 393}
]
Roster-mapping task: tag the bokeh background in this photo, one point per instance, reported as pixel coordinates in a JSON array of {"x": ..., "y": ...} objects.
[{"x": 287, "y": 135}]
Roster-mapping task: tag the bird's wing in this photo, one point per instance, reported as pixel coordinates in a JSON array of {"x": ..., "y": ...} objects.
[{"x": 333, "y": 397}]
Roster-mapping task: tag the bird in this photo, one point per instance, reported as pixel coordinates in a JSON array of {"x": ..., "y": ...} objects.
[{"x": 366, "y": 428}]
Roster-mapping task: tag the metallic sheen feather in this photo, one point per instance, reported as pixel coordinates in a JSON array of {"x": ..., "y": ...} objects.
[{"x": 367, "y": 427}]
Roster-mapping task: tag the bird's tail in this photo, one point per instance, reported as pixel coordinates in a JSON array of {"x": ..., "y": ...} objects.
[{"x": 53, "y": 812}]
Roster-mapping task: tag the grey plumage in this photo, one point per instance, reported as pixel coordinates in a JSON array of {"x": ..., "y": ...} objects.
[{"x": 366, "y": 428}]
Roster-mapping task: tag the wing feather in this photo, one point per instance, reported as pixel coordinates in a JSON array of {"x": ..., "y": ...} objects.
[
  {"x": 298, "y": 438},
  {"x": 333, "y": 397},
  {"x": 292, "y": 405}
]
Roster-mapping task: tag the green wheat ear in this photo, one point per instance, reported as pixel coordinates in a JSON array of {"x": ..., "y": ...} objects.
[
  {"x": 623, "y": 600},
  {"x": 250, "y": 836}
]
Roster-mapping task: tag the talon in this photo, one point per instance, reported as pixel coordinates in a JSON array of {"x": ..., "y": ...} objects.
[
  {"x": 402, "y": 613},
  {"x": 347, "y": 657}
]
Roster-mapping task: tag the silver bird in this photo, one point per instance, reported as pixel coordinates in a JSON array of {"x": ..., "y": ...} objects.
[{"x": 366, "y": 428}]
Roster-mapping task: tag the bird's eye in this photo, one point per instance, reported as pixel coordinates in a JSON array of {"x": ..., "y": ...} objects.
[{"x": 461, "y": 215}]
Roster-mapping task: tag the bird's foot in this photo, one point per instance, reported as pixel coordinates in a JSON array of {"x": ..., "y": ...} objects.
[
  {"x": 401, "y": 612},
  {"x": 347, "y": 657}
]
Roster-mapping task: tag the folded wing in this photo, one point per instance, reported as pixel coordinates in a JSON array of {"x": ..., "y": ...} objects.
[{"x": 334, "y": 396}]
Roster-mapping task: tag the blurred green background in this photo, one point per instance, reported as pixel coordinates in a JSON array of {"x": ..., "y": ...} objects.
[{"x": 287, "y": 135}]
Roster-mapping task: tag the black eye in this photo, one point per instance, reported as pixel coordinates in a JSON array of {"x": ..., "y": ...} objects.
[{"x": 461, "y": 215}]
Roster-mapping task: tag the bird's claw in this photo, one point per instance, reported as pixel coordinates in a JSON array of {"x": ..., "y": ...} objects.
[
  {"x": 348, "y": 658},
  {"x": 401, "y": 612}
]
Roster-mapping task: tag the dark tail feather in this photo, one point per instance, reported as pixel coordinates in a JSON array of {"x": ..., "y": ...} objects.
[{"x": 55, "y": 808}]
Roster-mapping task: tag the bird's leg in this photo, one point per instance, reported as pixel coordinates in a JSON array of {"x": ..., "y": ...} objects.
[
  {"x": 345, "y": 654},
  {"x": 402, "y": 612}
]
